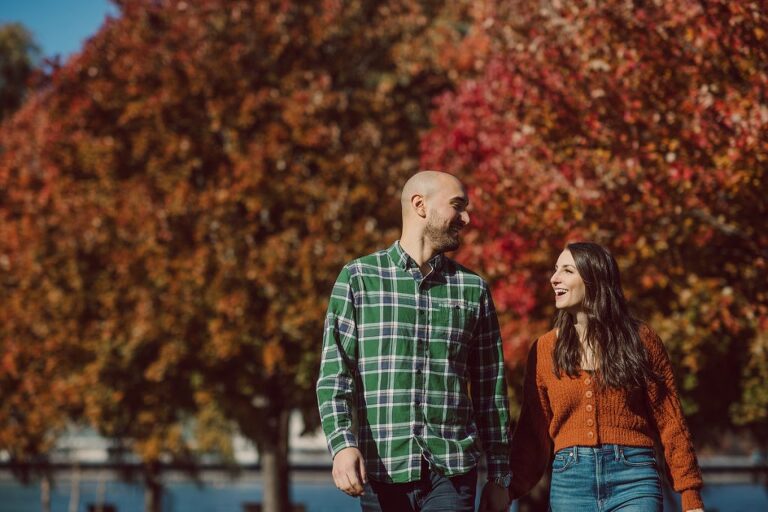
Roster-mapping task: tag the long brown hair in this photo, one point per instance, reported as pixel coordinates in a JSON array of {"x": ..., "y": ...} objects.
[{"x": 612, "y": 332}]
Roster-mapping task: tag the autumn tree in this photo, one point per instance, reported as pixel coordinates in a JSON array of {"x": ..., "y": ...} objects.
[
  {"x": 205, "y": 169},
  {"x": 643, "y": 126},
  {"x": 36, "y": 395}
]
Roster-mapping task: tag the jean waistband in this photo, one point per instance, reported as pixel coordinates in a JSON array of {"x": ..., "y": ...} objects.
[{"x": 603, "y": 449}]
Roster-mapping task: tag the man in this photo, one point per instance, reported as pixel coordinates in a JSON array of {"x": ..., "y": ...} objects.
[{"x": 409, "y": 335}]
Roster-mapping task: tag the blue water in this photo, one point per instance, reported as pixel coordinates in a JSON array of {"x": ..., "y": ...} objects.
[
  {"x": 178, "y": 497},
  {"x": 316, "y": 496}
]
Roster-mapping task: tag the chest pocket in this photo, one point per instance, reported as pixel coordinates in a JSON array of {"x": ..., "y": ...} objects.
[{"x": 452, "y": 325}]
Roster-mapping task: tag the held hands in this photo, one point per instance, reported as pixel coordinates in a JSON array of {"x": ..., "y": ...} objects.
[
  {"x": 349, "y": 471},
  {"x": 494, "y": 498}
]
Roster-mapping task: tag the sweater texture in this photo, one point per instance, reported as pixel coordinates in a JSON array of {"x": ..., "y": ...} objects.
[{"x": 576, "y": 411}]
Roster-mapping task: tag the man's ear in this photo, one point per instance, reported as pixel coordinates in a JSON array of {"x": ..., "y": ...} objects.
[{"x": 417, "y": 203}]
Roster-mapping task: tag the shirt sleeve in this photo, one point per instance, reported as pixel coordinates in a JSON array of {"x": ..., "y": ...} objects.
[
  {"x": 338, "y": 363},
  {"x": 664, "y": 405},
  {"x": 488, "y": 388},
  {"x": 531, "y": 445}
]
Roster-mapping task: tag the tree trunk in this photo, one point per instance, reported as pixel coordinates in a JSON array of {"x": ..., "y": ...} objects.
[
  {"x": 74, "y": 492},
  {"x": 153, "y": 488},
  {"x": 101, "y": 492},
  {"x": 274, "y": 463},
  {"x": 45, "y": 492}
]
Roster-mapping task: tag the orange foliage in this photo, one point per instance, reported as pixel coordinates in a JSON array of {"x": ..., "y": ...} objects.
[{"x": 175, "y": 206}]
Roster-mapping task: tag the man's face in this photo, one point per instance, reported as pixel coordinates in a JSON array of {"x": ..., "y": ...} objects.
[{"x": 446, "y": 215}]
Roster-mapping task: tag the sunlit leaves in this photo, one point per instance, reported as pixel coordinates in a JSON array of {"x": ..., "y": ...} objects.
[
  {"x": 640, "y": 126},
  {"x": 176, "y": 207}
]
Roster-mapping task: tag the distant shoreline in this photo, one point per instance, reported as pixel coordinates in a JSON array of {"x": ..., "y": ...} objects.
[{"x": 714, "y": 473}]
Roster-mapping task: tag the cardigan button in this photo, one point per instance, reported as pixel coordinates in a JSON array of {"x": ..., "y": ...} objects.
[
  {"x": 590, "y": 434},
  {"x": 590, "y": 422},
  {"x": 589, "y": 394},
  {"x": 589, "y": 407},
  {"x": 588, "y": 381}
]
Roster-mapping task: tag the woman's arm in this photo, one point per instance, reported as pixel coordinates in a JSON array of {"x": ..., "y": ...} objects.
[
  {"x": 531, "y": 445},
  {"x": 667, "y": 414}
]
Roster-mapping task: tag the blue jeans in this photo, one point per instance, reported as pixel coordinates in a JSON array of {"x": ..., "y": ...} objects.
[
  {"x": 605, "y": 478},
  {"x": 432, "y": 493}
]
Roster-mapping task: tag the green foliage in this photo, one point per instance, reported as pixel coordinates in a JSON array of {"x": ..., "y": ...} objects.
[{"x": 19, "y": 55}]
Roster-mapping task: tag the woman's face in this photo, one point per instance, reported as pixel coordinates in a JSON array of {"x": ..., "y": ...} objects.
[{"x": 567, "y": 283}]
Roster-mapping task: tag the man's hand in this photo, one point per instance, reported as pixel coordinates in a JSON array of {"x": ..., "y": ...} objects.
[
  {"x": 349, "y": 471},
  {"x": 495, "y": 498}
]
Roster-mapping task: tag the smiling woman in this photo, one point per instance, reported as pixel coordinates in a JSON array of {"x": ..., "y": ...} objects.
[
  {"x": 598, "y": 391},
  {"x": 568, "y": 284},
  {"x": 597, "y": 331}
]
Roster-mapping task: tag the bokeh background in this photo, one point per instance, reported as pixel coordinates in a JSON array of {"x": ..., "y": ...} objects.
[{"x": 178, "y": 194}]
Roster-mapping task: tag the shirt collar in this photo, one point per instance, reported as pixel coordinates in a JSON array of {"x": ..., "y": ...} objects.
[{"x": 403, "y": 261}]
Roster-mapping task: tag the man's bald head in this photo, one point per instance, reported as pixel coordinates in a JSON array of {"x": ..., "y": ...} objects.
[
  {"x": 425, "y": 184},
  {"x": 434, "y": 210}
]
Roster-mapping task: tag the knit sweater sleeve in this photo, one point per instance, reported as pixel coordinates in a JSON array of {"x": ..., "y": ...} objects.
[
  {"x": 531, "y": 445},
  {"x": 664, "y": 405}
]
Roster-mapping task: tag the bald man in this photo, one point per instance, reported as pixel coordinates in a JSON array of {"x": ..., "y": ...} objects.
[{"x": 411, "y": 388}]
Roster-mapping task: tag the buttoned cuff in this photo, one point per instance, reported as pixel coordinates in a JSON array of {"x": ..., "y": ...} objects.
[
  {"x": 498, "y": 466},
  {"x": 340, "y": 440},
  {"x": 691, "y": 499}
]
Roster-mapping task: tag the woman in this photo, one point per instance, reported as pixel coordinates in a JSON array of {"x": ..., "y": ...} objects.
[{"x": 598, "y": 389}]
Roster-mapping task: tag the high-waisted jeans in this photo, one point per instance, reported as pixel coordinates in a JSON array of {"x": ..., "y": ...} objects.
[{"x": 605, "y": 478}]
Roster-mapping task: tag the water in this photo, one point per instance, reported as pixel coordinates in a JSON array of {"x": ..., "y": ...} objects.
[{"x": 314, "y": 491}]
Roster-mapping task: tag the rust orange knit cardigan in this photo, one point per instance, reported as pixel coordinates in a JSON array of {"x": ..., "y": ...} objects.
[{"x": 558, "y": 413}]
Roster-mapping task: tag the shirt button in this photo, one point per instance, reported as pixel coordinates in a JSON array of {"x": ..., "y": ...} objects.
[
  {"x": 589, "y": 394},
  {"x": 589, "y": 407},
  {"x": 590, "y": 434},
  {"x": 417, "y": 429},
  {"x": 590, "y": 422},
  {"x": 418, "y": 403}
]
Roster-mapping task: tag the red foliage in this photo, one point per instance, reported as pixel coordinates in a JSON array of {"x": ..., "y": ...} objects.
[{"x": 643, "y": 126}]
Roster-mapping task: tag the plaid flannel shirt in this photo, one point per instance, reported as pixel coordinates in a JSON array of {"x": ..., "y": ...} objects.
[{"x": 402, "y": 353}]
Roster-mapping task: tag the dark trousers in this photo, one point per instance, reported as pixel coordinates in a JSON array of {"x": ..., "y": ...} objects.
[{"x": 432, "y": 493}]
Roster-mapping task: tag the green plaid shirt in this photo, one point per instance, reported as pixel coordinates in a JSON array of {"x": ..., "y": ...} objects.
[{"x": 401, "y": 354}]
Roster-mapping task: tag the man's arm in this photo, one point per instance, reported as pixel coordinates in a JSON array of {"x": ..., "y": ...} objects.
[
  {"x": 489, "y": 398},
  {"x": 335, "y": 385},
  {"x": 489, "y": 389}
]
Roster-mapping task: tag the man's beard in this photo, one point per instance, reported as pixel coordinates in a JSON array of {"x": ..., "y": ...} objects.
[{"x": 443, "y": 239}]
